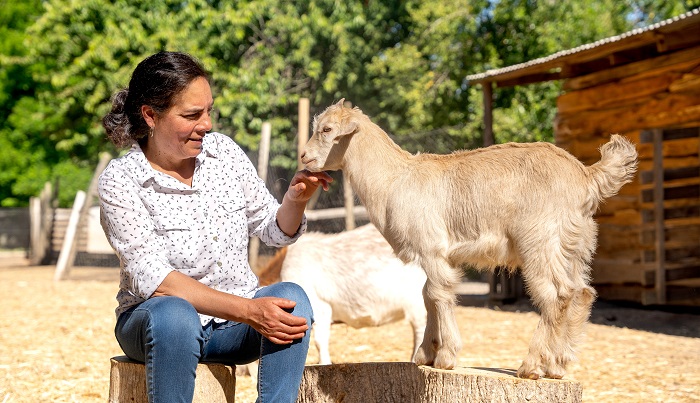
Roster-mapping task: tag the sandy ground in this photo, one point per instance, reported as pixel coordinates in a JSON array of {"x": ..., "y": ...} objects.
[{"x": 56, "y": 339}]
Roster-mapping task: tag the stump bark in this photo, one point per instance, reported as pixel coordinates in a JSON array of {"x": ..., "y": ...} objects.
[
  {"x": 403, "y": 382},
  {"x": 214, "y": 382}
]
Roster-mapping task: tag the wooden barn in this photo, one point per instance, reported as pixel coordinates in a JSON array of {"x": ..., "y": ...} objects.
[{"x": 644, "y": 84}]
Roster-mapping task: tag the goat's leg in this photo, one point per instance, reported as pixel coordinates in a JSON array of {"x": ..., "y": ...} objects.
[
  {"x": 578, "y": 297},
  {"x": 415, "y": 314},
  {"x": 323, "y": 317},
  {"x": 549, "y": 340},
  {"x": 577, "y": 314},
  {"x": 442, "y": 340},
  {"x": 425, "y": 355}
]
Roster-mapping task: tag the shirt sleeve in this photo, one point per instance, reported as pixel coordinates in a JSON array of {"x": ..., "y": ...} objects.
[
  {"x": 261, "y": 206},
  {"x": 131, "y": 233}
]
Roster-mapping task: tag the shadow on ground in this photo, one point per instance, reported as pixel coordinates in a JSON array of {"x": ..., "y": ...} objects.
[{"x": 670, "y": 320}]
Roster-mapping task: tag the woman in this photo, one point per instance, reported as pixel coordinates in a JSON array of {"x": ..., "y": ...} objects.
[{"x": 178, "y": 209}]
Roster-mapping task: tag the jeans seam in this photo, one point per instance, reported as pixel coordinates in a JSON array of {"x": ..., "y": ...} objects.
[{"x": 260, "y": 370}]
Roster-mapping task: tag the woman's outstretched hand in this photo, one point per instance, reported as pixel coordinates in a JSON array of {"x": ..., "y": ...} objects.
[{"x": 304, "y": 184}]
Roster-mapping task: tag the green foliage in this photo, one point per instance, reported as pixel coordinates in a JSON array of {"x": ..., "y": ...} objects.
[
  {"x": 16, "y": 84},
  {"x": 402, "y": 61}
]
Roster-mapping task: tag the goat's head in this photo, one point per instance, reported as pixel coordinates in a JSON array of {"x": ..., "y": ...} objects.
[{"x": 332, "y": 130}]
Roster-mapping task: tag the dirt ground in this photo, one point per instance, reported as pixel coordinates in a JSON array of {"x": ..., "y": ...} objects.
[{"x": 56, "y": 339}]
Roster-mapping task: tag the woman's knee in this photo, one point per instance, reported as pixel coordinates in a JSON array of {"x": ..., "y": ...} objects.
[
  {"x": 290, "y": 291},
  {"x": 173, "y": 316},
  {"x": 165, "y": 322}
]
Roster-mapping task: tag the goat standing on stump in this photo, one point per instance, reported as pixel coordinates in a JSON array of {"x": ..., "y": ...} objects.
[{"x": 516, "y": 205}]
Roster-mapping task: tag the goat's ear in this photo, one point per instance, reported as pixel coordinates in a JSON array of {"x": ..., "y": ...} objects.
[
  {"x": 348, "y": 127},
  {"x": 340, "y": 103}
]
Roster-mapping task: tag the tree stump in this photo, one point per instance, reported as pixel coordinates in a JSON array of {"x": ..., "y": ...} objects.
[
  {"x": 404, "y": 382},
  {"x": 127, "y": 382}
]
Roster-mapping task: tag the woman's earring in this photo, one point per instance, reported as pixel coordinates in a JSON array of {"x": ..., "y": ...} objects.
[{"x": 151, "y": 131}]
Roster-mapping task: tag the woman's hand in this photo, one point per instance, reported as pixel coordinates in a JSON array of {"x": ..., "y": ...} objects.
[
  {"x": 270, "y": 317},
  {"x": 304, "y": 184},
  {"x": 301, "y": 188}
]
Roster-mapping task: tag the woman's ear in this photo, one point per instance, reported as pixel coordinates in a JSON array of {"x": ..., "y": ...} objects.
[{"x": 149, "y": 115}]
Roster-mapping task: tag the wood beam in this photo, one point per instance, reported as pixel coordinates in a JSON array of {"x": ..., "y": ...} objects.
[
  {"x": 660, "y": 285},
  {"x": 488, "y": 113}
]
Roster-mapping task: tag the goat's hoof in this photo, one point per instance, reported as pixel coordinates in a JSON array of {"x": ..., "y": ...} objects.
[
  {"x": 554, "y": 374},
  {"x": 444, "y": 360},
  {"x": 423, "y": 359},
  {"x": 529, "y": 373},
  {"x": 554, "y": 371}
]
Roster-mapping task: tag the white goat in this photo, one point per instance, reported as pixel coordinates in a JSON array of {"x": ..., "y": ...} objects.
[
  {"x": 351, "y": 277},
  {"x": 516, "y": 205}
]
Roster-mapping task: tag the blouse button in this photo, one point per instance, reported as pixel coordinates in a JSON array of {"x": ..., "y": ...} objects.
[
  {"x": 219, "y": 263},
  {"x": 216, "y": 238}
]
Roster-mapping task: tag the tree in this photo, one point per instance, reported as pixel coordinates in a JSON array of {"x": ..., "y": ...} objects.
[
  {"x": 80, "y": 53},
  {"x": 422, "y": 76},
  {"x": 402, "y": 61},
  {"x": 15, "y": 83}
]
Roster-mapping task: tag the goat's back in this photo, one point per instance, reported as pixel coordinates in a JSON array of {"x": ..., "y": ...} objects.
[
  {"x": 493, "y": 182},
  {"x": 498, "y": 194}
]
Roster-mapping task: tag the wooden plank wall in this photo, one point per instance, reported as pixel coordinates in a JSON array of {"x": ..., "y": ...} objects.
[
  {"x": 60, "y": 225},
  {"x": 632, "y": 100}
]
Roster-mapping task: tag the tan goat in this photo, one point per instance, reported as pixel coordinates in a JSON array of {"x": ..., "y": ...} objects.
[{"x": 516, "y": 205}]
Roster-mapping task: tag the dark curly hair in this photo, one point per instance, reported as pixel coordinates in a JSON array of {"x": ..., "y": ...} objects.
[{"x": 155, "y": 82}]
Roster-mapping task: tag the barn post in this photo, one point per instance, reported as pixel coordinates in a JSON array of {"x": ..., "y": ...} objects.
[
  {"x": 488, "y": 113},
  {"x": 502, "y": 286},
  {"x": 660, "y": 237}
]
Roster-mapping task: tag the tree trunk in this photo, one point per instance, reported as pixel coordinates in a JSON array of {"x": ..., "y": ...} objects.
[{"x": 404, "y": 382}]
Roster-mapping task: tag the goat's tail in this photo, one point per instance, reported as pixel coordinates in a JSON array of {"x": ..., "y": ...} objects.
[
  {"x": 617, "y": 166},
  {"x": 270, "y": 274}
]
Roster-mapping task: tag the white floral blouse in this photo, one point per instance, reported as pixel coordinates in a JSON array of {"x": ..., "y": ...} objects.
[{"x": 157, "y": 224}]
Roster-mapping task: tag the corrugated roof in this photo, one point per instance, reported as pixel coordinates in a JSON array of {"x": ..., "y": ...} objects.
[{"x": 555, "y": 60}]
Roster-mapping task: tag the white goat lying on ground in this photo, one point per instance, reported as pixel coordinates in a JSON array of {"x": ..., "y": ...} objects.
[
  {"x": 516, "y": 205},
  {"x": 352, "y": 277}
]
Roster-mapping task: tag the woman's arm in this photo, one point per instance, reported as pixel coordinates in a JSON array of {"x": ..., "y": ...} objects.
[{"x": 267, "y": 315}]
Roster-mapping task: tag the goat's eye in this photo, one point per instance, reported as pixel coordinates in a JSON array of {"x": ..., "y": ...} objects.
[{"x": 326, "y": 129}]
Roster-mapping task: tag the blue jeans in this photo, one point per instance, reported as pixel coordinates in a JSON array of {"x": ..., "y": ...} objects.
[{"x": 165, "y": 333}]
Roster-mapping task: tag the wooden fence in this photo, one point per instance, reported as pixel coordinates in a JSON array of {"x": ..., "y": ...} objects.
[{"x": 14, "y": 228}]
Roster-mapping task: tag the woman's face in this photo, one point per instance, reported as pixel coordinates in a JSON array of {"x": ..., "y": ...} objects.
[{"x": 179, "y": 131}]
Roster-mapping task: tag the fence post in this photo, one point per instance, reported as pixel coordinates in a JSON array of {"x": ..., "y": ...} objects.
[
  {"x": 302, "y": 139},
  {"x": 67, "y": 254},
  {"x": 349, "y": 197},
  {"x": 70, "y": 243},
  {"x": 40, "y": 219},
  {"x": 302, "y": 129},
  {"x": 34, "y": 229},
  {"x": 263, "y": 158}
]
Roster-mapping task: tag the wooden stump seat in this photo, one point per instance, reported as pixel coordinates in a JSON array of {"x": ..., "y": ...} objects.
[{"x": 216, "y": 383}]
